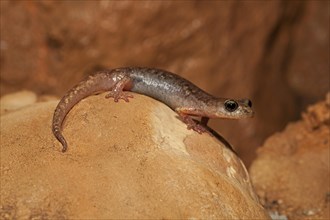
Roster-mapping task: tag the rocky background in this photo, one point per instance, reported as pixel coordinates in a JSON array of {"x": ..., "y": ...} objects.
[
  {"x": 291, "y": 173},
  {"x": 273, "y": 52}
]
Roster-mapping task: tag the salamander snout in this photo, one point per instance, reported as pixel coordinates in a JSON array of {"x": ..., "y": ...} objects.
[
  {"x": 248, "y": 102},
  {"x": 245, "y": 102}
]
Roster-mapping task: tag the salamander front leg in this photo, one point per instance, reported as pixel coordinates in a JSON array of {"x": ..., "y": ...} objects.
[
  {"x": 204, "y": 121},
  {"x": 191, "y": 124},
  {"x": 117, "y": 91}
]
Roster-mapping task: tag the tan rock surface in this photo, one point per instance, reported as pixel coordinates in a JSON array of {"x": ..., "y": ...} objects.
[
  {"x": 125, "y": 160},
  {"x": 17, "y": 100},
  {"x": 292, "y": 171}
]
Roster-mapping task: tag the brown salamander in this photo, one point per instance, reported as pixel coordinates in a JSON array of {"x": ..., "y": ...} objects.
[{"x": 179, "y": 94}]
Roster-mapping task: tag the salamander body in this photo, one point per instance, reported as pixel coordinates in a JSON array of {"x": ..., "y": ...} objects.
[{"x": 178, "y": 93}]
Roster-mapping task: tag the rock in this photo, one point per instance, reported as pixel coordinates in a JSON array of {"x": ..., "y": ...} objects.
[
  {"x": 17, "y": 100},
  {"x": 124, "y": 161},
  {"x": 291, "y": 173}
]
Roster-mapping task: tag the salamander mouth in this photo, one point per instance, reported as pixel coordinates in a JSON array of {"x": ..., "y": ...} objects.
[
  {"x": 246, "y": 113},
  {"x": 238, "y": 114},
  {"x": 250, "y": 114}
]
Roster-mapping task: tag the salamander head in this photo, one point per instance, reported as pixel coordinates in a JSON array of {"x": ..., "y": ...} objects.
[{"x": 234, "y": 109}]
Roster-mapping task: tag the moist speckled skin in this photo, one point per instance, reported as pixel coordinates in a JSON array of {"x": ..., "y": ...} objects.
[{"x": 179, "y": 94}]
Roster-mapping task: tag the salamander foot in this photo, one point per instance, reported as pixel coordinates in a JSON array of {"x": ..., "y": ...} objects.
[{"x": 119, "y": 95}]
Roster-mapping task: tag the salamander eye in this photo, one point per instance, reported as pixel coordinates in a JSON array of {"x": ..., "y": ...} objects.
[{"x": 231, "y": 105}]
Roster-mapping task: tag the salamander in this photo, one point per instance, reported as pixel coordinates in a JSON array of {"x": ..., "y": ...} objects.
[{"x": 179, "y": 94}]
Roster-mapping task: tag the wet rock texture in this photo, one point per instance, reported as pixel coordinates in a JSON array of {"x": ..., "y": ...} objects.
[
  {"x": 274, "y": 52},
  {"x": 292, "y": 172}
]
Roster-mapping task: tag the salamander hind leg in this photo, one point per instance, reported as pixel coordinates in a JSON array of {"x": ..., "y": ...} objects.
[
  {"x": 117, "y": 91},
  {"x": 191, "y": 123},
  {"x": 119, "y": 95}
]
